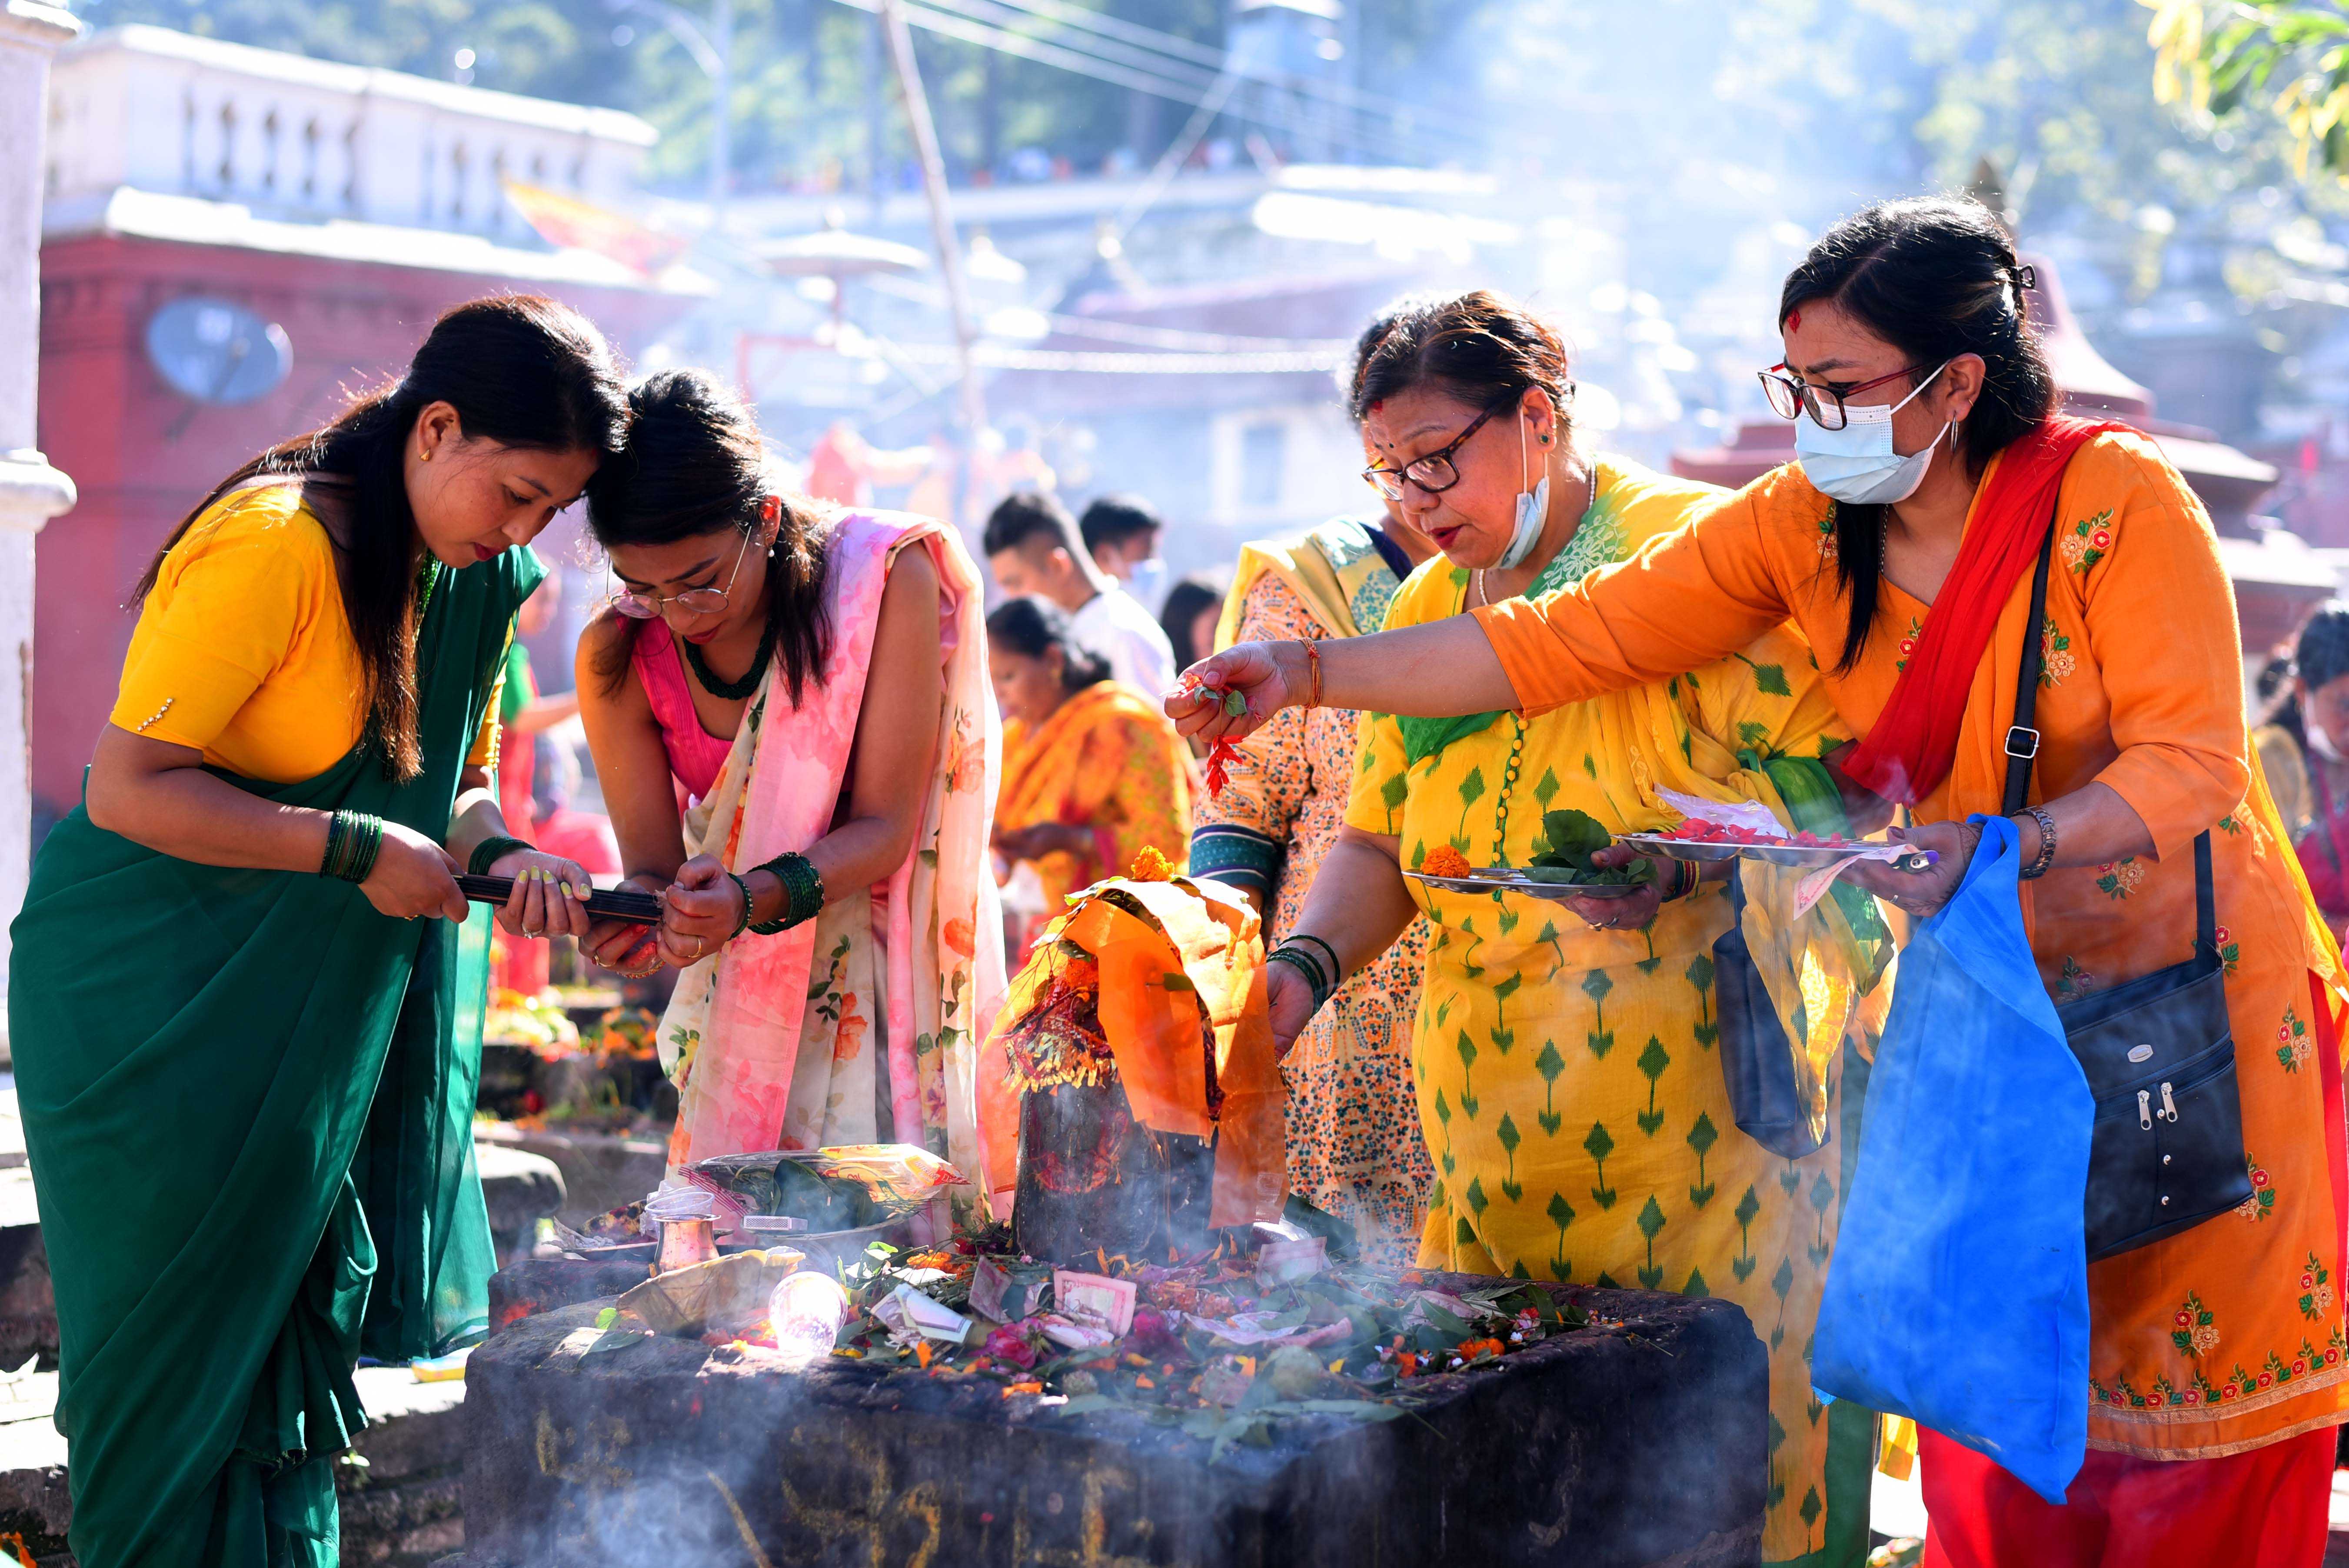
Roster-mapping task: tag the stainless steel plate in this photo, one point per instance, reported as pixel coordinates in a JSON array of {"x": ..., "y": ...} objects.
[
  {"x": 1775, "y": 854},
  {"x": 1506, "y": 879}
]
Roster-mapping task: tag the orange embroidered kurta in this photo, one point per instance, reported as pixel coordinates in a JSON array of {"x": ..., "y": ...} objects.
[{"x": 2230, "y": 1334}]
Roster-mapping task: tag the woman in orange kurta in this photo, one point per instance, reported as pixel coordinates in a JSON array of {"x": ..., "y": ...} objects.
[
  {"x": 2223, "y": 1343},
  {"x": 1092, "y": 773}
]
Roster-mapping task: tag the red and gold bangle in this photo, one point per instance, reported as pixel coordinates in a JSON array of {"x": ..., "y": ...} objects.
[{"x": 1313, "y": 658}]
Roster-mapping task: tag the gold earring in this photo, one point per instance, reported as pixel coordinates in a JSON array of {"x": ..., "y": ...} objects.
[{"x": 424, "y": 455}]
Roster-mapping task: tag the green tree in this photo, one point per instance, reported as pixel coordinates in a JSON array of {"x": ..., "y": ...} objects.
[{"x": 2287, "y": 57}]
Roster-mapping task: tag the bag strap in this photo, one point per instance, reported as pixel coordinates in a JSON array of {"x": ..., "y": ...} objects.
[
  {"x": 2023, "y": 748},
  {"x": 2021, "y": 740}
]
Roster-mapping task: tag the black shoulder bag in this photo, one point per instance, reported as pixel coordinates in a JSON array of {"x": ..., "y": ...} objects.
[
  {"x": 1757, "y": 1059},
  {"x": 2158, "y": 1053}
]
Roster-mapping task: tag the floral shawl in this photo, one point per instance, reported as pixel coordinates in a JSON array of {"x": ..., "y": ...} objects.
[{"x": 767, "y": 1038}]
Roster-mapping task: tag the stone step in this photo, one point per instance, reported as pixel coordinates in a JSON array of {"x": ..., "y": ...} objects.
[{"x": 520, "y": 1188}]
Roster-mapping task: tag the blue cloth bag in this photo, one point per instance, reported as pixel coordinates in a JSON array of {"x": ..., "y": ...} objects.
[{"x": 1958, "y": 1294}]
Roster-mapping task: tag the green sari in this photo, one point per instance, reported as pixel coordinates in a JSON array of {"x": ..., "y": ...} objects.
[{"x": 248, "y": 1102}]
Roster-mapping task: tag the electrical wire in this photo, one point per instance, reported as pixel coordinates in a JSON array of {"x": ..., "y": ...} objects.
[
  {"x": 1217, "y": 59},
  {"x": 949, "y": 19},
  {"x": 1175, "y": 338}
]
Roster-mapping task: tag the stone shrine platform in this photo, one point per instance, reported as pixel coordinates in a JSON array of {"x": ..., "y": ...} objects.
[{"x": 1639, "y": 1441}]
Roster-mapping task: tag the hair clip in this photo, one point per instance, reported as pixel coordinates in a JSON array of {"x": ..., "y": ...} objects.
[{"x": 2027, "y": 275}]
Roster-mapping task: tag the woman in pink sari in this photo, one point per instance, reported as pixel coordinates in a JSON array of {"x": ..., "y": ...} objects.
[{"x": 826, "y": 890}]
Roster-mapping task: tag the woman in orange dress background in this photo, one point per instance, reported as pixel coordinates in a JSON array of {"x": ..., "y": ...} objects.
[
  {"x": 1093, "y": 773},
  {"x": 2218, "y": 1363}
]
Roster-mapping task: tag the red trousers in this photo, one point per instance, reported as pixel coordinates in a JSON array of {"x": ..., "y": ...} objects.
[{"x": 2265, "y": 1508}]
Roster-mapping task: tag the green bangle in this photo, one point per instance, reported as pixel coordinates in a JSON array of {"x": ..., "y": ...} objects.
[
  {"x": 802, "y": 891},
  {"x": 744, "y": 923},
  {"x": 490, "y": 851},
  {"x": 1337, "y": 970},
  {"x": 1307, "y": 966},
  {"x": 354, "y": 838}
]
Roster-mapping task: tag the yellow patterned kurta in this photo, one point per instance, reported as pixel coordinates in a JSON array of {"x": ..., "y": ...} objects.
[{"x": 1568, "y": 1078}]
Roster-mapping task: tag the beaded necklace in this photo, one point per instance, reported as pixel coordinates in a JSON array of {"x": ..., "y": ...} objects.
[
  {"x": 732, "y": 690},
  {"x": 1585, "y": 549}
]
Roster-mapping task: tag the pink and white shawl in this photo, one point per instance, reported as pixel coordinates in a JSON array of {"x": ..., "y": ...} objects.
[{"x": 771, "y": 1039}]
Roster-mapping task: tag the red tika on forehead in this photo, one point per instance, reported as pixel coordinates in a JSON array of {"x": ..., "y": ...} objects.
[
  {"x": 1377, "y": 405},
  {"x": 1794, "y": 320}
]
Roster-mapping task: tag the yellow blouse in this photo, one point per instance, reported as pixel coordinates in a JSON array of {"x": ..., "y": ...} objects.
[{"x": 242, "y": 651}]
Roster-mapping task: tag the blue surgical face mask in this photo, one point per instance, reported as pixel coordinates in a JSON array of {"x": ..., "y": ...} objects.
[
  {"x": 1856, "y": 465},
  {"x": 1533, "y": 510}
]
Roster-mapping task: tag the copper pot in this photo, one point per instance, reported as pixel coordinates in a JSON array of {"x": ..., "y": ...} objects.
[{"x": 684, "y": 1242}]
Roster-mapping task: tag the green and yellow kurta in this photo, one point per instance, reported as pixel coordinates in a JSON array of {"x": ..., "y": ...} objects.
[{"x": 1568, "y": 1079}]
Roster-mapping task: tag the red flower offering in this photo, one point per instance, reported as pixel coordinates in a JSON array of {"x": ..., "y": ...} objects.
[{"x": 1223, "y": 753}]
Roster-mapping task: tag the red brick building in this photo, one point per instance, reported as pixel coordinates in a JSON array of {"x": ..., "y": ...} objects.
[{"x": 351, "y": 291}]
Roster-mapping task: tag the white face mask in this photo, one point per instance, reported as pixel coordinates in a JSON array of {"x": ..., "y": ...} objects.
[
  {"x": 1146, "y": 581},
  {"x": 1856, "y": 465},
  {"x": 1533, "y": 509},
  {"x": 2319, "y": 742}
]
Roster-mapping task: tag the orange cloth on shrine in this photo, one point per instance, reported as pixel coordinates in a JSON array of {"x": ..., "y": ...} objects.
[
  {"x": 2142, "y": 690},
  {"x": 1206, "y": 939}
]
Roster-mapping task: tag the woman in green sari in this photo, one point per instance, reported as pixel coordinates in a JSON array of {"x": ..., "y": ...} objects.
[{"x": 235, "y": 1003}]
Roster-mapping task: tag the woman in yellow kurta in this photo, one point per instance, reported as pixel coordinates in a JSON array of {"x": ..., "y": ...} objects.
[
  {"x": 1564, "y": 1059},
  {"x": 244, "y": 1058},
  {"x": 1093, "y": 773},
  {"x": 2222, "y": 1344}
]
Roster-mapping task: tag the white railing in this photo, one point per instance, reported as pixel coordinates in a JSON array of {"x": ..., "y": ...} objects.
[{"x": 296, "y": 138}]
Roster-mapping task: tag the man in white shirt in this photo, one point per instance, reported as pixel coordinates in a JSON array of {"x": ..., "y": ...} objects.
[
  {"x": 1033, "y": 547},
  {"x": 1122, "y": 534}
]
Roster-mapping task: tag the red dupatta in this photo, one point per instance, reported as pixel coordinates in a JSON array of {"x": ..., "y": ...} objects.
[{"x": 1908, "y": 753}]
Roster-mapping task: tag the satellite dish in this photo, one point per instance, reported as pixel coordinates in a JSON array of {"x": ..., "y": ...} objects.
[{"x": 216, "y": 352}]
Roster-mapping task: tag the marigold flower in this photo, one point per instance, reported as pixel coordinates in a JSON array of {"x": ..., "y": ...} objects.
[
  {"x": 1446, "y": 861},
  {"x": 1150, "y": 865}
]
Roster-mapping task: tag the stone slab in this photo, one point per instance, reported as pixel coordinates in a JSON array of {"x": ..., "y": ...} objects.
[
  {"x": 600, "y": 1170},
  {"x": 1604, "y": 1449},
  {"x": 521, "y": 1188}
]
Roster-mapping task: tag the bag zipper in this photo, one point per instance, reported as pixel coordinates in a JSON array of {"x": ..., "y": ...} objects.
[{"x": 2118, "y": 1105}]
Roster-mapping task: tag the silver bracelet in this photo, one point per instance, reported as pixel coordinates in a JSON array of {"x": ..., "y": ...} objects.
[{"x": 2046, "y": 857}]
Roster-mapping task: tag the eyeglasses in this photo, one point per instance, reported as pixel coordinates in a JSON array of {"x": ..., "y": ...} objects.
[
  {"x": 693, "y": 601},
  {"x": 1436, "y": 473},
  {"x": 1823, "y": 400}
]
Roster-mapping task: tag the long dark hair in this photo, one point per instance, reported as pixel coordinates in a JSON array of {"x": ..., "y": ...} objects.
[
  {"x": 1482, "y": 348},
  {"x": 520, "y": 370},
  {"x": 1034, "y": 627},
  {"x": 1935, "y": 277},
  {"x": 1199, "y": 591},
  {"x": 695, "y": 465}
]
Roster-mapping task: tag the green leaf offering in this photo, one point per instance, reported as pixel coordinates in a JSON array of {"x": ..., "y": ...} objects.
[{"x": 1563, "y": 853}]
